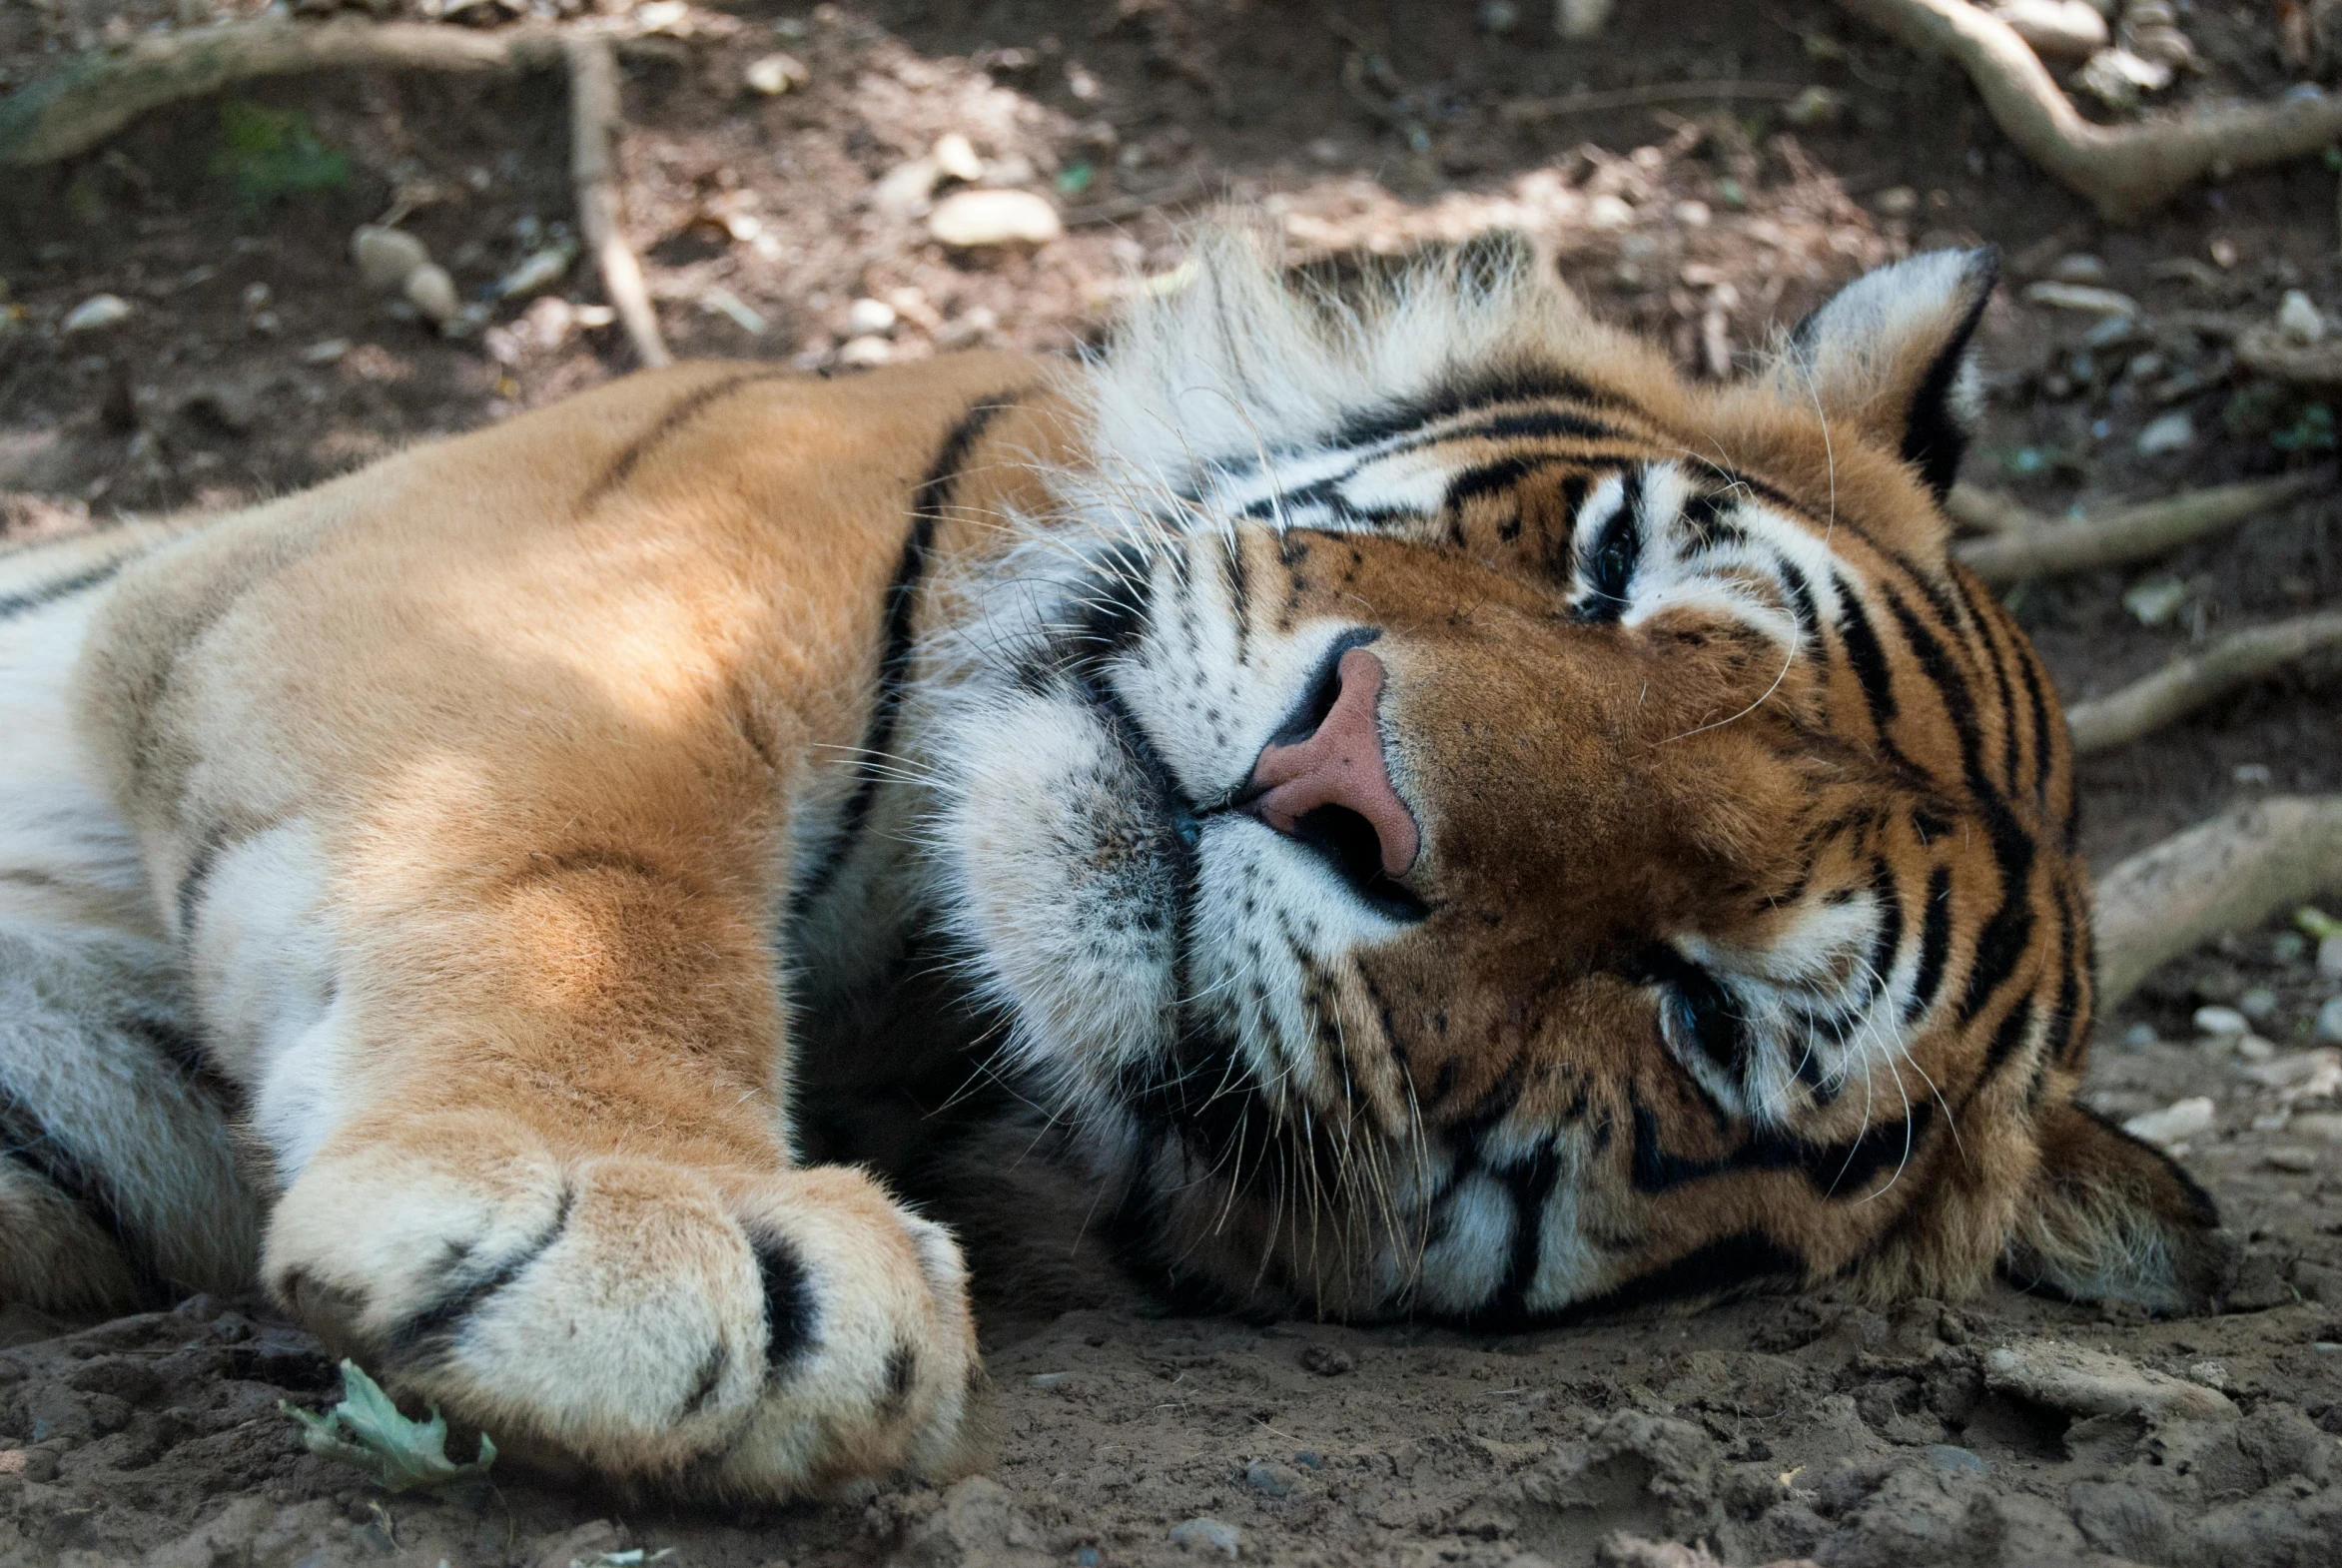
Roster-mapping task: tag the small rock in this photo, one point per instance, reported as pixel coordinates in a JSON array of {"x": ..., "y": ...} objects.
[
  {"x": 539, "y": 270},
  {"x": 2222, "y": 1021},
  {"x": 2156, "y": 600},
  {"x": 1271, "y": 1478},
  {"x": 1327, "y": 1360},
  {"x": 904, "y": 191},
  {"x": 256, "y": 296},
  {"x": 2288, "y": 946},
  {"x": 868, "y": 318},
  {"x": 2080, "y": 297},
  {"x": 2257, "y": 1003},
  {"x": 1693, "y": 215},
  {"x": 2116, "y": 78},
  {"x": 2252, "y": 1047},
  {"x": 954, "y": 158},
  {"x": 2322, "y": 1125},
  {"x": 2305, "y": 1072},
  {"x": 1896, "y": 201},
  {"x": 1582, "y": 18},
  {"x": 775, "y": 74},
  {"x": 1206, "y": 1534},
  {"x": 2287, "y": 1157},
  {"x": 2300, "y": 320},
  {"x": 861, "y": 353},
  {"x": 1499, "y": 16},
  {"x": 2057, "y": 29},
  {"x": 2330, "y": 956},
  {"x": 587, "y": 1542},
  {"x": 2210, "y": 1374},
  {"x": 431, "y": 291},
  {"x": 2140, "y": 1036},
  {"x": 1946, "y": 1456},
  {"x": 387, "y": 257},
  {"x": 974, "y": 220},
  {"x": 2078, "y": 267},
  {"x": 2175, "y": 1124},
  {"x": 2173, "y": 431},
  {"x": 2093, "y": 1382},
  {"x": 2329, "y": 1024},
  {"x": 97, "y": 312},
  {"x": 1609, "y": 212}
]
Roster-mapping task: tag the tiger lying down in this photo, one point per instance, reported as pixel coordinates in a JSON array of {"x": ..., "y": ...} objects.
[{"x": 1452, "y": 821}]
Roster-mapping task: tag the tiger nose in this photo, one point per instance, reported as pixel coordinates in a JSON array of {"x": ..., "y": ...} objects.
[{"x": 1341, "y": 765}]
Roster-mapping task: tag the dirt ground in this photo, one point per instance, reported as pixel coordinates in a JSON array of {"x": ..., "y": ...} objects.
[{"x": 2004, "y": 1430}]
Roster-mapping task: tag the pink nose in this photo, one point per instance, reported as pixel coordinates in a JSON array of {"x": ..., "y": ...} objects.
[{"x": 1341, "y": 765}]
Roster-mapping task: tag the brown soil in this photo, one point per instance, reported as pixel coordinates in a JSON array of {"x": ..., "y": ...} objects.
[{"x": 1767, "y": 1429}]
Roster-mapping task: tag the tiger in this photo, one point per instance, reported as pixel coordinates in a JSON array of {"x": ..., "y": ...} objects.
[{"x": 1437, "y": 816}]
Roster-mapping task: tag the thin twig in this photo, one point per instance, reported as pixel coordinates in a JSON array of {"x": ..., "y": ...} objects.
[
  {"x": 593, "y": 123},
  {"x": 2187, "y": 684},
  {"x": 2130, "y": 534},
  {"x": 2227, "y": 874},
  {"x": 2123, "y": 170},
  {"x": 97, "y": 94}
]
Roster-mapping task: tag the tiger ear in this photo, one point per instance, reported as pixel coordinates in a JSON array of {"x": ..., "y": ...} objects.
[
  {"x": 2109, "y": 1217},
  {"x": 1890, "y": 355}
]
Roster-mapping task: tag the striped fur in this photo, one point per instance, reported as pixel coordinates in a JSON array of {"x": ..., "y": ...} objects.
[{"x": 485, "y": 834}]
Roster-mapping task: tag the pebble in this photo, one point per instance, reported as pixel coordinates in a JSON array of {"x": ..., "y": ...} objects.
[
  {"x": 430, "y": 290},
  {"x": 2155, "y": 600},
  {"x": 2173, "y": 431},
  {"x": 2086, "y": 1382},
  {"x": 775, "y": 74},
  {"x": 2080, "y": 267},
  {"x": 1206, "y": 1534},
  {"x": 1814, "y": 106},
  {"x": 972, "y": 220},
  {"x": 2330, "y": 956},
  {"x": 1694, "y": 215},
  {"x": 2329, "y": 1024},
  {"x": 2299, "y": 319},
  {"x": 2288, "y": 1157},
  {"x": 1327, "y": 1360},
  {"x": 1499, "y": 16},
  {"x": 387, "y": 257},
  {"x": 2252, "y": 1047},
  {"x": 2305, "y": 1072},
  {"x": 2222, "y": 1021},
  {"x": 539, "y": 270},
  {"x": 2082, "y": 297},
  {"x": 2288, "y": 946},
  {"x": 1609, "y": 212},
  {"x": 868, "y": 318},
  {"x": 2175, "y": 1124},
  {"x": 861, "y": 353},
  {"x": 2257, "y": 1003},
  {"x": 2212, "y": 1374},
  {"x": 2057, "y": 29},
  {"x": 324, "y": 351},
  {"x": 2140, "y": 1036},
  {"x": 2322, "y": 1125},
  {"x": 905, "y": 189},
  {"x": 954, "y": 158},
  {"x": 1271, "y": 1478},
  {"x": 1946, "y": 1456},
  {"x": 96, "y": 312}
]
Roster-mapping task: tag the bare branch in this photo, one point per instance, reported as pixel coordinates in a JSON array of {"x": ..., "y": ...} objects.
[
  {"x": 2270, "y": 353},
  {"x": 99, "y": 93},
  {"x": 2223, "y": 875},
  {"x": 2123, "y": 170},
  {"x": 594, "y": 117},
  {"x": 1980, "y": 511},
  {"x": 2186, "y": 684},
  {"x": 2129, "y": 533}
]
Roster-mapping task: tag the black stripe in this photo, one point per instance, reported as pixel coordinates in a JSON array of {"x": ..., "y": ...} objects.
[
  {"x": 434, "y": 1328},
  {"x": 1934, "y": 945},
  {"x": 1832, "y": 1168},
  {"x": 1869, "y": 661},
  {"x": 679, "y": 413},
  {"x": 894, "y": 660},
  {"x": 27, "y": 1142},
  {"x": 60, "y": 588},
  {"x": 195, "y": 879}
]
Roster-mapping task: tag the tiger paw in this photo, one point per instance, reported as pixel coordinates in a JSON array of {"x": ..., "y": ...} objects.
[{"x": 722, "y": 1333}]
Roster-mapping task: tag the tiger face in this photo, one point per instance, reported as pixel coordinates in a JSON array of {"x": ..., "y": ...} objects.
[{"x": 1466, "y": 823}]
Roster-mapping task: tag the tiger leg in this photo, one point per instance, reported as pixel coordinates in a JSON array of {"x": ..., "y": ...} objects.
[
  {"x": 118, "y": 1182},
  {"x": 571, "y": 1220}
]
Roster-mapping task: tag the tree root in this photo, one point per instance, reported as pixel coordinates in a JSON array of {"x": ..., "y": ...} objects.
[
  {"x": 594, "y": 122},
  {"x": 2186, "y": 684},
  {"x": 2123, "y": 171},
  {"x": 99, "y": 93},
  {"x": 2129, "y": 533},
  {"x": 2234, "y": 871}
]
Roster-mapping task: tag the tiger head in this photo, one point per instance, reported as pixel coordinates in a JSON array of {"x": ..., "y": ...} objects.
[{"x": 1465, "y": 822}]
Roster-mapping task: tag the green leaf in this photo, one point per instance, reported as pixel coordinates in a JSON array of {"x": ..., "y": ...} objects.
[
  {"x": 367, "y": 1431},
  {"x": 2316, "y": 923}
]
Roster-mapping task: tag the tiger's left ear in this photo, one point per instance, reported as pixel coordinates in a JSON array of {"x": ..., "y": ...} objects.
[{"x": 1889, "y": 355}]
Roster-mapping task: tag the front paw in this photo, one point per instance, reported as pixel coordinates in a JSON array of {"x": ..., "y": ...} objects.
[{"x": 716, "y": 1333}]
